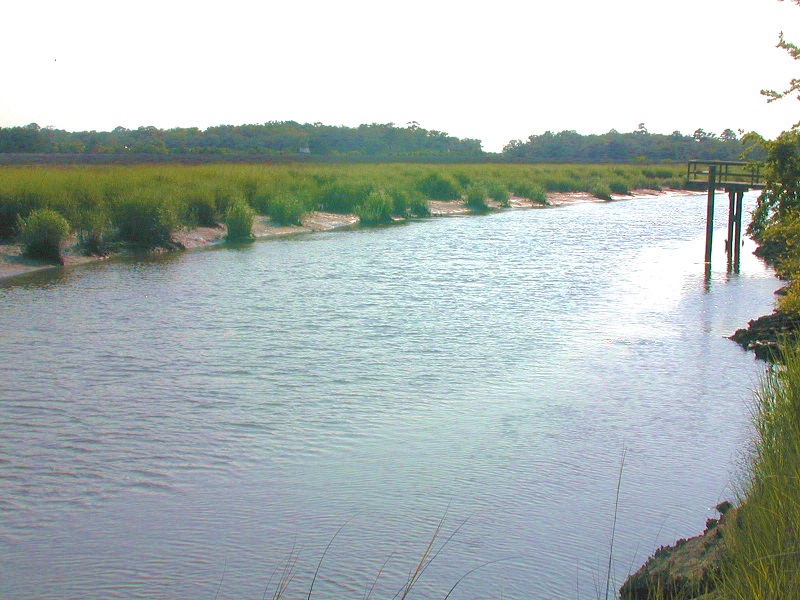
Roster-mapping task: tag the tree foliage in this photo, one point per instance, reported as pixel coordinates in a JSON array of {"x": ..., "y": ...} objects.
[
  {"x": 637, "y": 146},
  {"x": 272, "y": 138},
  {"x": 776, "y": 220},
  {"x": 375, "y": 141}
]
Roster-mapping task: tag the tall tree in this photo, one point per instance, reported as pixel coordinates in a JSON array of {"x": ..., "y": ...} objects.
[{"x": 780, "y": 201}]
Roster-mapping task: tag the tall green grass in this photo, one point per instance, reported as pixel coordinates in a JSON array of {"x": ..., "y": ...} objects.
[
  {"x": 239, "y": 221},
  {"x": 143, "y": 204},
  {"x": 43, "y": 232},
  {"x": 762, "y": 556}
]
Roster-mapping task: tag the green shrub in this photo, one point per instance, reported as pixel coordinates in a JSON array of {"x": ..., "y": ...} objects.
[
  {"x": 559, "y": 184},
  {"x": 239, "y": 221},
  {"x": 409, "y": 203},
  {"x": 92, "y": 228},
  {"x": 18, "y": 202},
  {"x": 531, "y": 191},
  {"x": 42, "y": 233},
  {"x": 261, "y": 202},
  {"x": 438, "y": 187},
  {"x": 476, "y": 197},
  {"x": 463, "y": 179},
  {"x": 676, "y": 183},
  {"x": 419, "y": 206},
  {"x": 224, "y": 196},
  {"x": 286, "y": 209},
  {"x": 401, "y": 202},
  {"x": 498, "y": 192},
  {"x": 600, "y": 189},
  {"x": 619, "y": 187},
  {"x": 376, "y": 208},
  {"x": 658, "y": 173},
  {"x": 146, "y": 218},
  {"x": 201, "y": 210},
  {"x": 343, "y": 197},
  {"x": 249, "y": 189}
]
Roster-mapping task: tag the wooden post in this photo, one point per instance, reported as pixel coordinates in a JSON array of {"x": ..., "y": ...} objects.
[
  {"x": 729, "y": 245},
  {"x": 737, "y": 236},
  {"x": 712, "y": 183}
]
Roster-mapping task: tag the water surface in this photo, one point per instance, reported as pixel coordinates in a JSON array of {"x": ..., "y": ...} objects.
[{"x": 186, "y": 426}]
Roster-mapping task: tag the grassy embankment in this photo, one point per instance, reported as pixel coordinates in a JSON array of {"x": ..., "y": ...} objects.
[
  {"x": 144, "y": 204},
  {"x": 762, "y": 552}
]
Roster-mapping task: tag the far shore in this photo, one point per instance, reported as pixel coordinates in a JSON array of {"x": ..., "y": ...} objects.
[{"x": 14, "y": 263}]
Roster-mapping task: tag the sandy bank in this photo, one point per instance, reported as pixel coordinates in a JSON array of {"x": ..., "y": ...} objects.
[{"x": 13, "y": 262}]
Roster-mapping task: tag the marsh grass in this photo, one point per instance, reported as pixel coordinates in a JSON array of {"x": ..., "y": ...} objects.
[
  {"x": 762, "y": 555},
  {"x": 142, "y": 204},
  {"x": 239, "y": 221},
  {"x": 476, "y": 195},
  {"x": 438, "y": 186},
  {"x": 146, "y": 218},
  {"x": 499, "y": 192},
  {"x": 534, "y": 192},
  {"x": 601, "y": 190},
  {"x": 436, "y": 545},
  {"x": 376, "y": 209},
  {"x": 42, "y": 233}
]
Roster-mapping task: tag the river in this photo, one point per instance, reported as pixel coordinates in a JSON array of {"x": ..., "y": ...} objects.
[{"x": 205, "y": 424}]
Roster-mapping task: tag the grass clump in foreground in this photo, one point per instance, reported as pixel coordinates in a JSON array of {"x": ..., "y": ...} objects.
[
  {"x": 287, "y": 573},
  {"x": 239, "y": 221},
  {"x": 762, "y": 553},
  {"x": 376, "y": 209},
  {"x": 42, "y": 233},
  {"x": 476, "y": 198}
]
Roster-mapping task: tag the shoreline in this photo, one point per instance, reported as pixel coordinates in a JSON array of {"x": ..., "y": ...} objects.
[{"x": 13, "y": 263}]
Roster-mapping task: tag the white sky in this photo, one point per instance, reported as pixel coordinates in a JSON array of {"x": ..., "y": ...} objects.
[{"x": 495, "y": 71}]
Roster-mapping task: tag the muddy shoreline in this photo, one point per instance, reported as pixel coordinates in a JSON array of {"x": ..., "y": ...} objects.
[{"x": 14, "y": 263}]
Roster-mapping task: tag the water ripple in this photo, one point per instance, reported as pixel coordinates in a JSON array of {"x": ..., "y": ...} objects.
[{"x": 231, "y": 406}]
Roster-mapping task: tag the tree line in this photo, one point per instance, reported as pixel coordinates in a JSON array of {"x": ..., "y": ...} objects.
[
  {"x": 273, "y": 138},
  {"x": 289, "y": 138},
  {"x": 636, "y": 146}
]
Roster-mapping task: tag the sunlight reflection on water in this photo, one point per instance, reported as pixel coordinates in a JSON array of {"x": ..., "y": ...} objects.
[{"x": 164, "y": 421}]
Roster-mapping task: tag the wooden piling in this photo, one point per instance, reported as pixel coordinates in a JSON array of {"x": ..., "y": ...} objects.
[
  {"x": 737, "y": 235},
  {"x": 712, "y": 184},
  {"x": 729, "y": 245}
]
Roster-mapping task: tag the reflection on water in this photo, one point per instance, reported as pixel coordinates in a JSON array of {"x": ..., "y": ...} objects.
[{"x": 165, "y": 421}]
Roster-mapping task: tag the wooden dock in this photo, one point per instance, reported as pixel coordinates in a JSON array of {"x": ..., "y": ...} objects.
[{"x": 735, "y": 177}]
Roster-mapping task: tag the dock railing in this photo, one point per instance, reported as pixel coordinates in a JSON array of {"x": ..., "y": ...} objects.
[{"x": 728, "y": 174}]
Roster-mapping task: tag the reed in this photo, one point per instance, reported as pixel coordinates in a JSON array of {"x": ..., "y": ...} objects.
[
  {"x": 376, "y": 209},
  {"x": 436, "y": 545},
  {"x": 476, "y": 195},
  {"x": 43, "y": 232},
  {"x": 239, "y": 221},
  {"x": 762, "y": 554},
  {"x": 142, "y": 204}
]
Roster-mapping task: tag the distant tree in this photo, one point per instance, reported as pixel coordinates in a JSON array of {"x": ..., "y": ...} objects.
[{"x": 22, "y": 139}]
